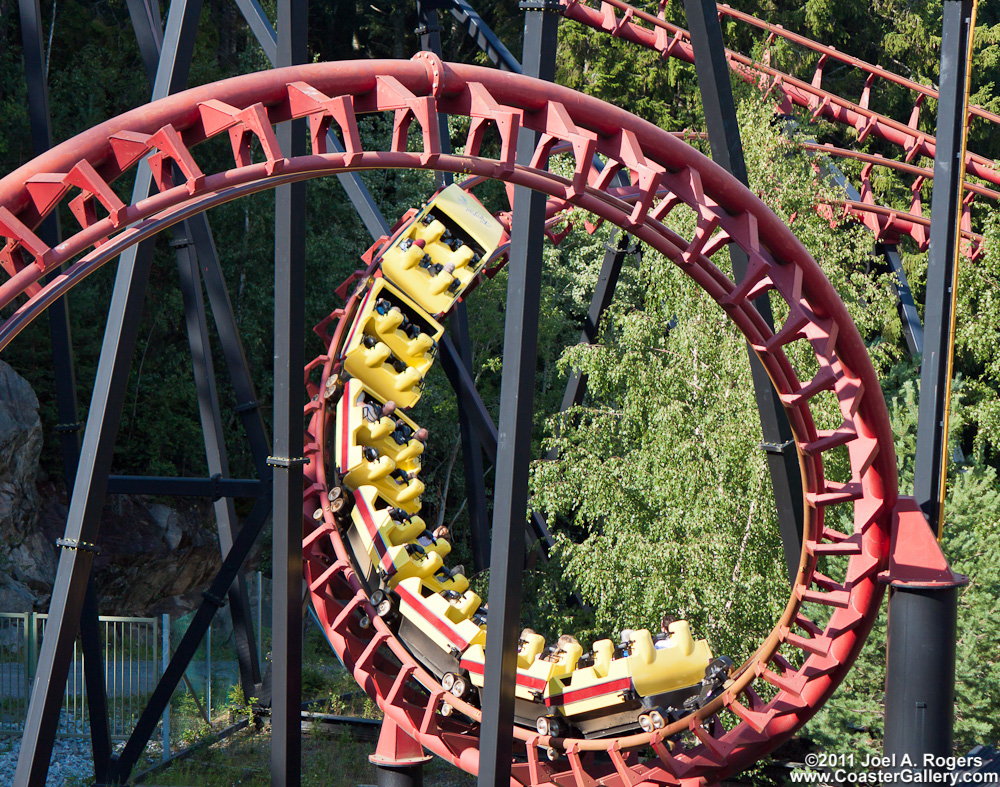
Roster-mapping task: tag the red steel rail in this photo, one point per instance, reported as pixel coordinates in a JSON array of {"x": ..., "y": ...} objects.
[
  {"x": 624, "y": 21},
  {"x": 828, "y": 53}
]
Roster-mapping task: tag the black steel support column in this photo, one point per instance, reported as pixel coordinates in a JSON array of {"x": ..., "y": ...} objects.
[
  {"x": 945, "y": 208},
  {"x": 472, "y": 449},
  {"x": 148, "y": 28},
  {"x": 149, "y": 34},
  {"x": 913, "y": 330},
  {"x": 94, "y": 675},
  {"x": 95, "y": 678},
  {"x": 217, "y": 459},
  {"x": 104, "y": 417},
  {"x": 920, "y": 674},
  {"x": 920, "y": 668},
  {"x": 517, "y": 393},
  {"x": 289, "y": 394},
  {"x": 727, "y": 151}
]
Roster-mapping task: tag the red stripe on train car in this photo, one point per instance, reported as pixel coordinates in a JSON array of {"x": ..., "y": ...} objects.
[
  {"x": 531, "y": 682},
  {"x": 608, "y": 687},
  {"x": 380, "y": 546},
  {"x": 361, "y": 308},
  {"x": 528, "y": 681},
  {"x": 430, "y": 617}
]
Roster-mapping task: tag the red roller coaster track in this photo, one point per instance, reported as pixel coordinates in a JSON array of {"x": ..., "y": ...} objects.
[
  {"x": 622, "y": 20},
  {"x": 824, "y": 624}
]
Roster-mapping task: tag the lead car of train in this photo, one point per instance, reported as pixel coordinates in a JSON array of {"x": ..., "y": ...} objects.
[{"x": 644, "y": 681}]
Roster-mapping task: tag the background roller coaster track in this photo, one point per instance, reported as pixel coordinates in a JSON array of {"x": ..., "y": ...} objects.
[
  {"x": 624, "y": 21},
  {"x": 827, "y": 617}
]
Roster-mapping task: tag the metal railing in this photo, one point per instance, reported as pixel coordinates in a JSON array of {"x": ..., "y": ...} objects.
[
  {"x": 131, "y": 668},
  {"x": 15, "y": 668},
  {"x": 136, "y": 651}
]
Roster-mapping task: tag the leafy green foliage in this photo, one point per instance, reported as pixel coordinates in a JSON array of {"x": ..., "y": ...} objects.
[{"x": 659, "y": 470}]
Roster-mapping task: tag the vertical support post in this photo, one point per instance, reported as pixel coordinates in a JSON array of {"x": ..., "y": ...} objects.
[
  {"x": 472, "y": 449},
  {"x": 215, "y": 450},
  {"x": 103, "y": 420},
  {"x": 208, "y": 674},
  {"x": 920, "y": 674},
  {"x": 289, "y": 393},
  {"x": 727, "y": 151},
  {"x": 920, "y": 664},
  {"x": 931, "y": 464},
  {"x": 517, "y": 389},
  {"x": 97, "y": 698},
  {"x": 164, "y": 661},
  {"x": 260, "y": 618},
  {"x": 913, "y": 331}
]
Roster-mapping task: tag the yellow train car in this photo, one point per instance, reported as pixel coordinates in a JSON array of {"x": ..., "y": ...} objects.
[
  {"x": 608, "y": 690},
  {"x": 447, "y": 623},
  {"x": 443, "y": 250},
  {"x": 386, "y": 537},
  {"x": 391, "y": 344},
  {"x": 536, "y": 667},
  {"x": 377, "y": 445}
]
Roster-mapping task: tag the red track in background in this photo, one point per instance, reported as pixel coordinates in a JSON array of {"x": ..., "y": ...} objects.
[{"x": 624, "y": 21}]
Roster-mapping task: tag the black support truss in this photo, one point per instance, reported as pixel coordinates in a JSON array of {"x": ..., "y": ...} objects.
[
  {"x": 104, "y": 417},
  {"x": 517, "y": 390},
  {"x": 727, "y": 151}
]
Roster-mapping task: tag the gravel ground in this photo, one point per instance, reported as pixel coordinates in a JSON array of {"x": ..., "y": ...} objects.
[{"x": 71, "y": 761}]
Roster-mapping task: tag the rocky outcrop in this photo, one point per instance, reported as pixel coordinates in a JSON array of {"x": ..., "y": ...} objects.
[
  {"x": 153, "y": 558},
  {"x": 22, "y": 558}
]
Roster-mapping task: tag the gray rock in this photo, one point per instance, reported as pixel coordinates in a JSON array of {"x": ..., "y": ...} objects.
[
  {"x": 15, "y": 597},
  {"x": 153, "y": 558},
  {"x": 20, "y": 447},
  {"x": 169, "y": 521}
]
